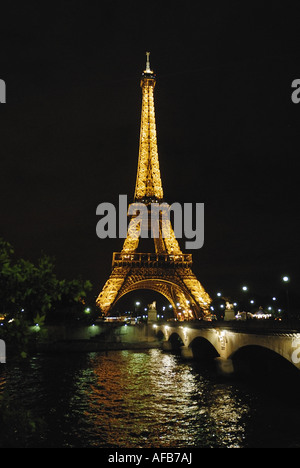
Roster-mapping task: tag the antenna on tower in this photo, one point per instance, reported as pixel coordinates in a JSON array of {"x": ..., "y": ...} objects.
[{"x": 148, "y": 63}]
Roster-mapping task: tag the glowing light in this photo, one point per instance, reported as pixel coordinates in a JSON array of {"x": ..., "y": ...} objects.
[
  {"x": 262, "y": 316},
  {"x": 149, "y": 188},
  {"x": 245, "y": 288},
  {"x": 285, "y": 279}
]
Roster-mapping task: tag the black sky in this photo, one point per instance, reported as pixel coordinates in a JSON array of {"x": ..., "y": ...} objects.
[{"x": 228, "y": 132}]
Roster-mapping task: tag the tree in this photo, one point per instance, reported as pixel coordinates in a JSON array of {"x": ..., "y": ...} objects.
[{"x": 28, "y": 290}]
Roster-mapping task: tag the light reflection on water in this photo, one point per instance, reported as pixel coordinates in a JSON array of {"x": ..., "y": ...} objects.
[
  {"x": 151, "y": 400},
  {"x": 132, "y": 399}
]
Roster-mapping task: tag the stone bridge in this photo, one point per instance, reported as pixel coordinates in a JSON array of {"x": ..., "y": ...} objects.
[{"x": 226, "y": 340}]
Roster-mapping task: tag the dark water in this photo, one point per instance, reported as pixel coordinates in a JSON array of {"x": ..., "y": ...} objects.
[{"x": 139, "y": 399}]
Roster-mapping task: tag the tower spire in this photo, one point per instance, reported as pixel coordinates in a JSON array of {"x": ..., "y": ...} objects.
[
  {"x": 148, "y": 181},
  {"x": 148, "y": 69}
]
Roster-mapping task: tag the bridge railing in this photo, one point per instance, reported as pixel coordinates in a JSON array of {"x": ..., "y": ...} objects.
[
  {"x": 138, "y": 259},
  {"x": 258, "y": 326}
]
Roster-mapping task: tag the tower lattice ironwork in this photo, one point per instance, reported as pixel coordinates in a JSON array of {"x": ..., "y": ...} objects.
[{"x": 166, "y": 270}]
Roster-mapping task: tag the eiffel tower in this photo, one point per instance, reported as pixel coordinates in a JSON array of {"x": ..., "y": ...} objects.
[{"x": 167, "y": 270}]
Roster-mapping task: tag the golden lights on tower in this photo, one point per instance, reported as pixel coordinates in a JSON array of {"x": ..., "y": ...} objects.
[{"x": 168, "y": 270}]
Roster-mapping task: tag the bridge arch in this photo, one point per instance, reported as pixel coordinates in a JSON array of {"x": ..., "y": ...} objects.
[
  {"x": 230, "y": 344},
  {"x": 176, "y": 341},
  {"x": 202, "y": 348},
  {"x": 281, "y": 345},
  {"x": 264, "y": 361}
]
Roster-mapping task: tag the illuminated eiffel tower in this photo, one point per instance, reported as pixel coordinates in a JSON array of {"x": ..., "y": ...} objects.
[{"x": 167, "y": 271}]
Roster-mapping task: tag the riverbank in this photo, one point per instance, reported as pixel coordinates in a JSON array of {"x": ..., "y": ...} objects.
[{"x": 96, "y": 337}]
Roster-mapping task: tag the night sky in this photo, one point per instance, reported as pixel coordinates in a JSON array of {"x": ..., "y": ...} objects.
[{"x": 228, "y": 131}]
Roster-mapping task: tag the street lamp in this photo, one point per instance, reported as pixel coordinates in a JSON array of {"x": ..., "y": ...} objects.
[
  {"x": 245, "y": 289},
  {"x": 286, "y": 280},
  {"x": 136, "y": 305}
]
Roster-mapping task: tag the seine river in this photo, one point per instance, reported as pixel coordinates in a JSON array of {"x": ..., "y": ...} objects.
[{"x": 139, "y": 399}]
